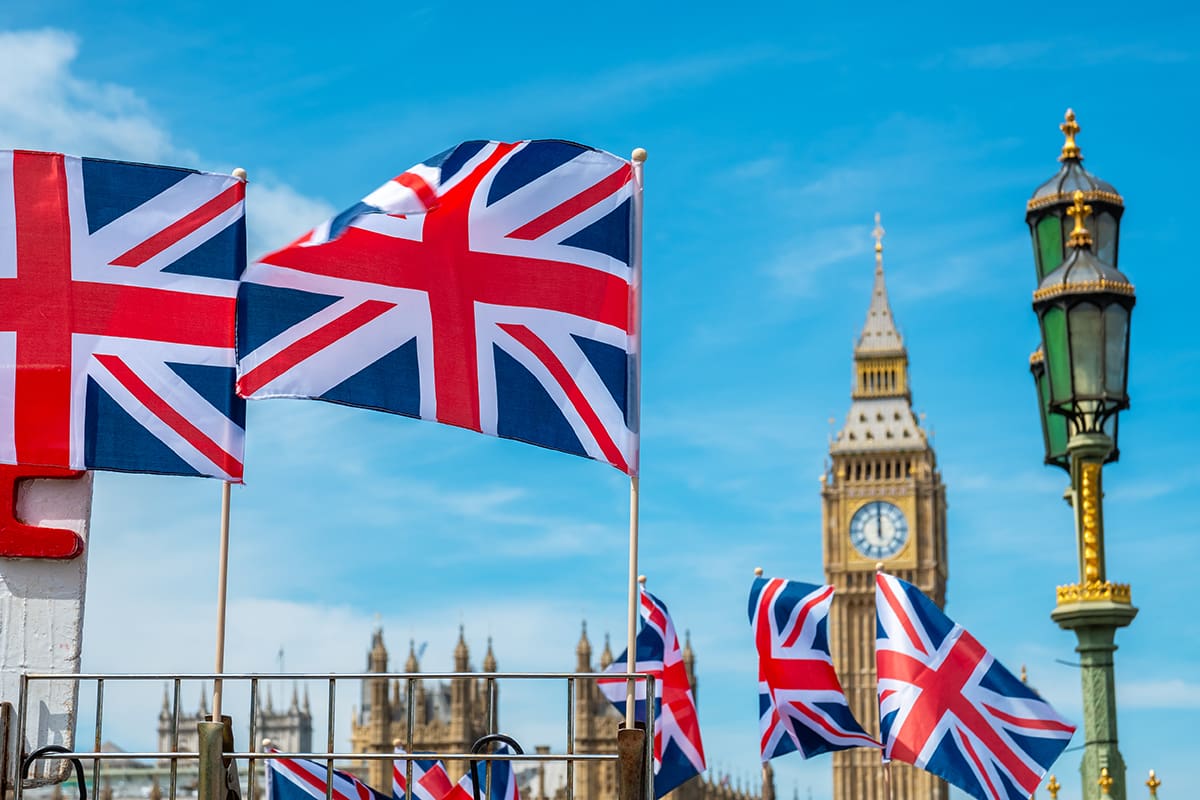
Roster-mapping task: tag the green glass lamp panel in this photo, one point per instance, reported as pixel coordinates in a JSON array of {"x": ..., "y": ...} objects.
[
  {"x": 1054, "y": 426},
  {"x": 1106, "y": 238},
  {"x": 1116, "y": 340},
  {"x": 1049, "y": 245},
  {"x": 1058, "y": 354},
  {"x": 1087, "y": 349}
]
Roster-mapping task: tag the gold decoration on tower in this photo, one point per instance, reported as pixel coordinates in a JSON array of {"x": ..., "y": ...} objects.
[
  {"x": 878, "y": 234},
  {"x": 1153, "y": 783},
  {"x": 1080, "y": 236},
  {"x": 1069, "y": 128},
  {"x": 1105, "y": 781},
  {"x": 1053, "y": 787}
]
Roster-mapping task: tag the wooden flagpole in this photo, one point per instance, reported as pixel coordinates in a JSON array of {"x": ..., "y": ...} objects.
[
  {"x": 222, "y": 572},
  {"x": 222, "y": 581},
  {"x": 887, "y": 779},
  {"x": 639, "y": 160}
]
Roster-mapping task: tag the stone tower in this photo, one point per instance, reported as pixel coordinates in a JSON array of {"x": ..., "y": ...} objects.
[
  {"x": 447, "y": 716},
  {"x": 882, "y": 502}
]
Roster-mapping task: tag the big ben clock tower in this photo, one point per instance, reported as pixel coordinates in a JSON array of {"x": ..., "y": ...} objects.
[{"x": 882, "y": 502}]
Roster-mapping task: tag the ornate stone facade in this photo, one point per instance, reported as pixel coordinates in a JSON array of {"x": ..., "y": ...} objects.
[
  {"x": 289, "y": 729},
  {"x": 883, "y": 501},
  {"x": 450, "y": 716}
]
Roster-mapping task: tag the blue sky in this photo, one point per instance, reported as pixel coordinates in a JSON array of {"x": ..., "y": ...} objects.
[{"x": 774, "y": 135}]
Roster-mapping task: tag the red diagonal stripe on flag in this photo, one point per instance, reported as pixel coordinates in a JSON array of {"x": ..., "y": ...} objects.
[
  {"x": 306, "y": 346},
  {"x": 899, "y": 613},
  {"x": 573, "y": 207},
  {"x": 798, "y": 622},
  {"x": 182, "y": 227},
  {"x": 424, "y": 192},
  {"x": 550, "y": 361},
  {"x": 1035, "y": 724},
  {"x": 169, "y": 416}
]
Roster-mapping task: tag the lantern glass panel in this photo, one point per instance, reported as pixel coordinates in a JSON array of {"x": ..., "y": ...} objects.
[
  {"x": 1087, "y": 349},
  {"x": 1049, "y": 246},
  {"x": 1054, "y": 426},
  {"x": 1058, "y": 353},
  {"x": 1105, "y": 226},
  {"x": 1116, "y": 333}
]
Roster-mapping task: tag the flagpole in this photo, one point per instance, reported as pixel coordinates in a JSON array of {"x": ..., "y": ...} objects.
[
  {"x": 887, "y": 779},
  {"x": 639, "y": 160},
  {"x": 222, "y": 572}
]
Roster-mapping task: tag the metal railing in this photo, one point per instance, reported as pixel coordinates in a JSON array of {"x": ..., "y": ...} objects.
[{"x": 575, "y": 682}]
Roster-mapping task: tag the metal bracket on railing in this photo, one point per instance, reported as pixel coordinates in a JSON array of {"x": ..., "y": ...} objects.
[
  {"x": 41, "y": 752},
  {"x": 482, "y": 742},
  {"x": 631, "y": 762}
]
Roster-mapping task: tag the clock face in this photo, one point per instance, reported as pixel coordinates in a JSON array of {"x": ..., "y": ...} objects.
[{"x": 878, "y": 530}]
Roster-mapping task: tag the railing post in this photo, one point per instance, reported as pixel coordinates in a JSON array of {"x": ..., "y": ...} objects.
[
  {"x": 631, "y": 764},
  {"x": 211, "y": 785}
]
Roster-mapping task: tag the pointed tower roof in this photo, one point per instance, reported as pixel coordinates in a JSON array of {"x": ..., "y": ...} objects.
[
  {"x": 461, "y": 653},
  {"x": 583, "y": 652},
  {"x": 881, "y": 416},
  {"x": 412, "y": 664},
  {"x": 879, "y": 333},
  {"x": 606, "y": 656},
  {"x": 489, "y": 658}
]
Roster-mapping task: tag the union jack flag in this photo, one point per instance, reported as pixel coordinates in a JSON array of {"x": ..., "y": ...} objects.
[
  {"x": 431, "y": 781},
  {"x": 801, "y": 703},
  {"x": 491, "y": 287},
  {"x": 678, "y": 751},
  {"x": 947, "y": 706},
  {"x": 501, "y": 784},
  {"x": 117, "y": 298},
  {"x": 301, "y": 779}
]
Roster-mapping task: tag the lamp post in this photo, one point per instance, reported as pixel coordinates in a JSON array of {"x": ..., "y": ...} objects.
[{"x": 1083, "y": 304}]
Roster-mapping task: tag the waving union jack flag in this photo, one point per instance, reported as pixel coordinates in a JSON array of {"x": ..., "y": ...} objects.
[
  {"x": 801, "y": 703},
  {"x": 117, "y": 299},
  {"x": 948, "y": 707},
  {"x": 491, "y": 288},
  {"x": 678, "y": 751},
  {"x": 431, "y": 781},
  {"x": 301, "y": 779}
]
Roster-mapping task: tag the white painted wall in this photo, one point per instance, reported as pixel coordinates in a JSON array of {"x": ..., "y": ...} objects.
[{"x": 41, "y": 620}]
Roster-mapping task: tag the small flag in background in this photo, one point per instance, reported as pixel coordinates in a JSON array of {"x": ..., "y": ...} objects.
[
  {"x": 491, "y": 288},
  {"x": 947, "y": 706},
  {"x": 503, "y": 784},
  {"x": 678, "y": 751},
  {"x": 301, "y": 779},
  {"x": 430, "y": 779},
  {"x": 801, "y": 703},
  {"x": 118, "y": 287}
]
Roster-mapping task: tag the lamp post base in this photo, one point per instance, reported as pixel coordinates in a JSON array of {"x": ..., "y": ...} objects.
[{"x": 1095, "y": 624}]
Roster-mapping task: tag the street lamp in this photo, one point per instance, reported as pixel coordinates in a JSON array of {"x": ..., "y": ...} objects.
[{"x": 1083, "y": 304}]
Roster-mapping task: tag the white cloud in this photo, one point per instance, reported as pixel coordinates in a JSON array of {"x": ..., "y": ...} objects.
[
  {"x": 44, "y": 105},
  {"x": 277, "y": 214},
  {"x": 799, "y": 266}
]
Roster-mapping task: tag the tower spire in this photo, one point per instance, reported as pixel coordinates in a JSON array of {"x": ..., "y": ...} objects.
[{"x": 879, "y": 332}]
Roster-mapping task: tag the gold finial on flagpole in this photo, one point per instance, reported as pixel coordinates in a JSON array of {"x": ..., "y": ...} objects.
[
  {"x": 758, "y": 572},
  {"x": 639, "y": 154},
  {"x": 1053, "y": 786},
  {"x": 642, "y": 580},
  {"x": 240, "y": 174},
  {"x": 266, "y": 743},
  {"x": 879, "y": 566},
  {"x": 1153, "y": 783}
]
